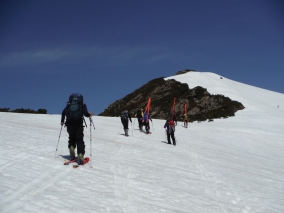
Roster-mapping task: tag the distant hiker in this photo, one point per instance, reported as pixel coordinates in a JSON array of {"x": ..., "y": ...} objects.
[
  {"x": 124, "y": 120},
  {"x": 139, "y": 115},
  {"x": 170, "y": 129},
  {"x": 174, "y": 117},
  {"x": 75, "y": 112},
  {"x": 185, "y": 120},
  {"x": 146, "y": 119}
]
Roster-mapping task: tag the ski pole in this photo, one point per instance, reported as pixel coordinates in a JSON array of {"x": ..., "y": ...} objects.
[
  {"x": 119, "y": 129},
  {"x": 153, "y": 126},
  {"x": 91, "y": 121},
  {"x": 133, "y": 127},
  {"x": 58, "y": 142}
]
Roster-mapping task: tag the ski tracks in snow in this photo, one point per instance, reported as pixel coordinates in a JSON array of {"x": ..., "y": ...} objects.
[
  {"x": 123, "y": 176},
  {"x": 221, "y": 197},
  {"x": 27, "y": 193}
]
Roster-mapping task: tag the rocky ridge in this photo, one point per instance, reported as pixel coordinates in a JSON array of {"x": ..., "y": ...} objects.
[{"x": 201, "y": 104}]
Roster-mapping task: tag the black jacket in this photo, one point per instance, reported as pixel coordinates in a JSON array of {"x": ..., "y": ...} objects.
[
  {"x": 128, "y": 116},
  {"x": 139, "y": 114}
]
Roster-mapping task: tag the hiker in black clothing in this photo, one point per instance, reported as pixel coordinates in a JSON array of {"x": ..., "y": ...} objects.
[
  {"x": 124, "y": 120},
  {"x": 146, "y": 119},
  {"x": 74, "y": 111},
  {"x": 185, "y": 124},
  {"x": 170, "y": 129},
  {"x": 139, "y": 115}
]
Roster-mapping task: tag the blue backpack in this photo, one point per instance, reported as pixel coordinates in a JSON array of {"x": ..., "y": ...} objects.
[{"x": 75, "y": 107}]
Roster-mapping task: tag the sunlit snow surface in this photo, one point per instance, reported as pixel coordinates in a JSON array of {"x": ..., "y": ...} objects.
[{"x": 229, "y": 165}]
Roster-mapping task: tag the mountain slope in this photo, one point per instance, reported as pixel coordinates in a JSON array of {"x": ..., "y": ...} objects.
[{"x": 229, "y": 165}]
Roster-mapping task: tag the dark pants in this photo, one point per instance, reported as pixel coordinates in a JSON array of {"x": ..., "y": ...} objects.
[
  {"x": 140, "y": 123},
  {"x": 147, "y": 126},
  {"x": 76, "y": 137},
  {"x": 172, "y": 135},
  {"x": 125, "y": 124}
]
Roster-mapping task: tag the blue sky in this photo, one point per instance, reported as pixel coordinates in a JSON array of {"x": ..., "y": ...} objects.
[{"x": 106, "y": 49}]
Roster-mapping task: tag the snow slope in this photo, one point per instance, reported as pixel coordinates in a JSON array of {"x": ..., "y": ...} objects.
[{"x": 229, "y": 165}]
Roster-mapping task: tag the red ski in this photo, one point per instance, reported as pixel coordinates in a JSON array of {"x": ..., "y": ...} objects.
[
  {"x": 86, "y": 160},
  {"x": 70, "y": 161}
]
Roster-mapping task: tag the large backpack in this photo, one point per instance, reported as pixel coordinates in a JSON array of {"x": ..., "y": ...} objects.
[
  {"x": 171, "y": 123},
  {"x": 171, "y": 126},
  {"x": 124, "y": 116},
  {"x": 75, "y": 107}
]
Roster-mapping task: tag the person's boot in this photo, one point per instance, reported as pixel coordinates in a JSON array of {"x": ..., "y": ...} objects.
[
  {"x": 126, "y": 132},
  {"x": 72, "y": 153},
  {"x": 80, "y": 159}
]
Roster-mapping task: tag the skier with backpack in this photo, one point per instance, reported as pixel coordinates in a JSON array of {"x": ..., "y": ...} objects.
[
  {"x": 124, "y": 120},
  {"x": 146, "y": 119},
  {"x": 139, "y": 115},
  {"x": 185, "y": 120},
  {"x": 172, "y": 115},
  {"x": 170, "y": 129},
  {"x": 75, "y": 112}
]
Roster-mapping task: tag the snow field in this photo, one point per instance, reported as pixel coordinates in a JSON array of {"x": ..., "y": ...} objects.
[{"x": 228, "y": 165}]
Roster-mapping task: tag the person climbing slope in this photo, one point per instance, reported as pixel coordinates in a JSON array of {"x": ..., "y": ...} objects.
[
  {"x": 139, "y": 115},
  {"x": 124, "y": 120},
  {"x": 75, "y": 112},
  {"x": 185, "y": 120},
  {"x": 146, "y": 119},
  {"x": 170, "y": 129}
]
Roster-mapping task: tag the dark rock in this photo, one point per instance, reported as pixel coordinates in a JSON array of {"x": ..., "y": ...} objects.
[
  {"x": 184, "y": 71},
  {"x": 201, "y": 104}
]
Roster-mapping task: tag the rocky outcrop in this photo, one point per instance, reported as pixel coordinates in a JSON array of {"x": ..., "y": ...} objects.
[
  {"x": 201, "y": 104},
  {"x": 184, "y": 71}
]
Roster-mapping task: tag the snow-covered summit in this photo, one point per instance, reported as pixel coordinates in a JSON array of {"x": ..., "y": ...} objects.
[
  {"x": 251, "y": 97},
  {"x": 229, "y": 165}
]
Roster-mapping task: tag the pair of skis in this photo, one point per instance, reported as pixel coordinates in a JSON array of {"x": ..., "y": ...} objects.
[{"x": 86, "y": 160}]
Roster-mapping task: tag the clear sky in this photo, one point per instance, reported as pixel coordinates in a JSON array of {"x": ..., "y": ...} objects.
[{"x": 106, "y": 49}]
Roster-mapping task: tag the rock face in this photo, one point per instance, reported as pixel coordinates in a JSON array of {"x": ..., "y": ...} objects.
[
  {"x": 200, "y": 103},
  {"x": 184, "y": 71}
]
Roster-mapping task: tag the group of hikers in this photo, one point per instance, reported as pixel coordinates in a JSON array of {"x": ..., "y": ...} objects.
[
  {"x": 143, "y": 118},
  {"x": 76, "y": 109}
]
